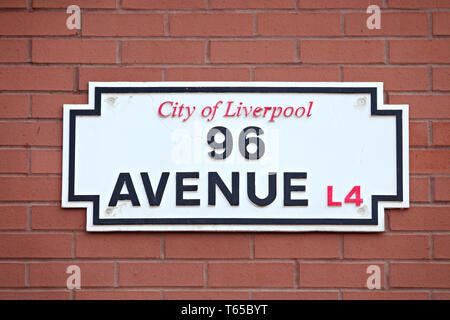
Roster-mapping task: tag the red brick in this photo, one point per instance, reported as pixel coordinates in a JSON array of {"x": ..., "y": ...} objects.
[
  {"x": 31, "y": 133},
  {"x": 122, "y": 25},
  {"x": 156, "y": 274},
  {"x": 118, "y": 245},
  {"x": 442, "y": 189},
  {"x": 419, "y": 189},
  {"x": 297, "y": 74},
  {"x": 296, "y": 246},
  {"x": 83, "y": 4},
  {"x": 420, "y": 219},
  {"x": 162, "y": 51},
  {"x": 14, "y": 106},
  {"x": 57, "y": 218},
  {"x": 342, "y": 51},
  {"x": 384, "y": 295},
  {"x": 13, "y": 161},
  {"x": 35, "y": 245},
  {"x": 13, "y": 217},
  {"x": 430, "y": 161},
  {"x": 216, "y": 24},
  {"x": 53, "y": 274},
  {"x": 441, "y": 78},
  {"x": 441, "y": 295},
  {"x": 419, "y": 51},
  {"x": 50, "y": 106},
  {"x": 12, "y": 275},
  {"x": 441, "y": 246},
  {"x": 343, "y": 275},
  {"x": 34, "y": 295},
  {"x": 116, "y": 294},
  {"x": 441, "y": 133},
  {"x": 423, "y": 106},
  {"x": 251, "y": 274},
  {"x": 13, "y": 4},
  {"x": 251, "y": 4},
  {"x": 34, "y": 24},
  {"x": 338, "y": 4},
  {"x": 267, "y": 51},
  {"x": 74, "y": 51},
  {"x": 46, "y": 161},
  {"x": 13, "y": 50},
  {"x": 418, "y": 134},
  {"x": 87, "y": 74},
  {"x": 383, "y": 246},
  {"x": 299, "y": 24},
  {"x": 205, "y": 295},
  {"x": 392, "y": 24},
  {"x": 418, "y": 4},
  {"x": 441, "y": 23},
  {"x": 36, "y": 78},
  {"x": 167, "y": 4},
  {"x": 208, "y": 74},
  {"x": 420, "y": 275},
  {"x": 295, "y": 295},
  {"x": 394, "y": 79},
  {"x": 207, "y": 246},
  {"x": 30, "y": 189}
]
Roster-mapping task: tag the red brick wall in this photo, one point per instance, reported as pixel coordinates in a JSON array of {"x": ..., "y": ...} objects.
[{"x": 43, "y": 65}]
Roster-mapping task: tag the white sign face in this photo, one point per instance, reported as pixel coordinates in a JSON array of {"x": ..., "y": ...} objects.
[{"x": 235, "y": 156}]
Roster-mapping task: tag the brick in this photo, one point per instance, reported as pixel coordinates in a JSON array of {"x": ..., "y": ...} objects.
[
  {"x": 13, "y": 161},
  {"x": 342, "y": 51},
  {"x": 53, "y": 274},
  {"x": 116, "y": 294},
  {"x": 35, "y": 295},
  {"x": 392, "y": 24},
  {"x": 441, "y": 295},
  {"x": 430, "y": 161},
  {"x": 384, "y": 295},
  {"x": 208, "y": 74},
  {"x": 331, "y": 275},
  {"x": 440, "y": 79},
  {"x": 420, "y": 219},
  {"x": 167, "y": 4},
  {"x": 36, "y": 78},
  {"x": 31, "y": 133},
  {"x": 50, "y": 106},
  {"x": 418, "y": 4},
  {"x": 57, "y": 218},
  {"x": 419, "y": 189},
  {"x": 122, "y": 25},
  {"x": 441, "y": 189},
  {"x": 207, "y": 246},
  {"x": 299, "y": 24},
  {"x": 14, "y": 106},
  {"x": 46, "y": 161},
  {"x": 30, "y": 189},
  {"x": 251, "y": 4},
  {"x": 441, "y": 246},
  {"x": 34, "y": 24},
  {"x": 74, "y": 51},
  {"x": 118, "y": 245},
  {"x": 297, "y": 74},
  {"x": 12, "y": 275},
  {"x": 441, "y": 133},
  {"x": 420, "y": 275},
  {"x": 13, "y": 4},
  {"x": 162, "y": 51},
  {"x": 13, "y": 51},
  {"x": 383, "y": 246},
  {"x": 441, "y": 23},
  {"x": 338, "y": 4},
  {"x": 83, "y": 4},
  {"x": 423, "y": 106},
  {"x": 418, "y": 134},
  {"x": 216, "y": 24},
  {"x": 251, "y": 274},
  {"x": 394, "y": 79},
  {"x": 205, "y": 295},
  {"x": 267, "y": 51},
  {"x": 295, "y": 295},
  {"x": 87, "y": 74},
  {"x": 419, "y": 51},
  {"x": 13, "y": 217},
  {"x": 36, "y": 245},
  {"x": 296, "y": 246},
  {"x": 167, "y": 274}
]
